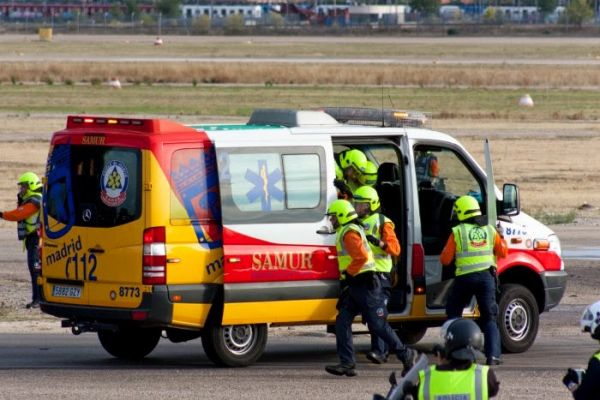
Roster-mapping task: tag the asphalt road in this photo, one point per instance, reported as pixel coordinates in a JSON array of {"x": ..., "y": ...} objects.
[{"x": 67, "y": 366}]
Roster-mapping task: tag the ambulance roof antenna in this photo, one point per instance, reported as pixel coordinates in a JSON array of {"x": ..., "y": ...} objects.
[{"x": 382, "y": 117}]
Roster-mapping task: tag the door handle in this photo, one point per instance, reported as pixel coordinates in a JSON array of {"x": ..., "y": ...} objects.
[
  {"x": 234, "y": 259},
  {"x": 99, "y": 250},
  {"x": 173, "y": 260}
]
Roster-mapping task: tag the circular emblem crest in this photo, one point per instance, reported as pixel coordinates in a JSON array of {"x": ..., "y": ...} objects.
[
  {"x": 113, "y": 183},
  {"x": 478, "y": 236}
]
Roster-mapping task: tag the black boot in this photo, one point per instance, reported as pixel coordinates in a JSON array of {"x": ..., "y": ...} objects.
[{"x": 341, "y": 369}]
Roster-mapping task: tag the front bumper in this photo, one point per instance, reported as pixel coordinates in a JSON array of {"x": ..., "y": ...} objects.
[{"x": 555, "y": 284}]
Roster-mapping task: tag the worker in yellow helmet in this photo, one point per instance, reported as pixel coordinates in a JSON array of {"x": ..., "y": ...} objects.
[{"x": 27, "y": 216}]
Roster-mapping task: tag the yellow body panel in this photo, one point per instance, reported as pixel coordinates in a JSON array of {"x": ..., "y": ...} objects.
[
  {"x": 291, "y": 311},
  {"x": 190, "y": 315}
]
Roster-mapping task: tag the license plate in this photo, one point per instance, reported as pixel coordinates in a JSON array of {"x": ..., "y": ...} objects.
[{"x": 66, "y": 291}]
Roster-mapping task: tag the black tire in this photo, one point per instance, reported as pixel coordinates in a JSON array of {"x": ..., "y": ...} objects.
[
  {"x": 234, "y": 345},
  {"x": 129, "y": 343},
  {"x": 518, "y": 318},
  {"x": 411, "y": 334}
]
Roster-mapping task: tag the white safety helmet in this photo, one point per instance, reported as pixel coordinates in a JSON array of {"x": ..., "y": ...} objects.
[{"x": 590, "y": 320}]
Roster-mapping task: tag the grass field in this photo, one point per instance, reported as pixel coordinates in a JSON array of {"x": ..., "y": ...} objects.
[
  {"x": 234, "y": 100},
  {"x": 550, "y": 150}
]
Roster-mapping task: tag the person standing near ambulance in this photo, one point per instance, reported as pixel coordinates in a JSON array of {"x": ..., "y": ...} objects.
[
  {"x": 474, "y": 247},
  {"x": 384, "y": 244},
  {"x": 360, "y": 292},
  {"x": 353, "y": 164},
  {"x": 27, "y": 216}
]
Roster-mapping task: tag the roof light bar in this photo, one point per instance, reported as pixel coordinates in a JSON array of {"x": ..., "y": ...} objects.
[{"x": 378, "y": 117}]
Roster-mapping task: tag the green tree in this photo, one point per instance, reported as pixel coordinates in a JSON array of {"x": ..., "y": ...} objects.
[
  {"x": 426, "y": 7},
  {"x": 169, "y": 8},
  {"x": 578, "y": 12},
  {"x": 547, "y": 6}
]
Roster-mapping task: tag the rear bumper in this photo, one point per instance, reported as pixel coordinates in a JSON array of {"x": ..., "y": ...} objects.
[
  {"x": 555, "y": 284},
  {"x": 156, "y": 308}
]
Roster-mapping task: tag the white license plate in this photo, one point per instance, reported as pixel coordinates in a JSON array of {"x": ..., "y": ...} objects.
[{"x": 66, "y": 291}]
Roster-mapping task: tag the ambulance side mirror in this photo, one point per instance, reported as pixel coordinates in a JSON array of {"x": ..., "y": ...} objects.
[
  {"x": 326, "y": 230},
  {"x": 510, "y": 200}
]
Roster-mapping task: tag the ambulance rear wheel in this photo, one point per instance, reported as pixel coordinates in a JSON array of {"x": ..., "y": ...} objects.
[
  {"x": 129, "y": 343},
  {"x": 518, "y": 318},
  {"x": 234, "y": 345}
]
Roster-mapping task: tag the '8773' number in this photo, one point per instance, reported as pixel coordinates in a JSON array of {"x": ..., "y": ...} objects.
[{"x": 86, "y": 263}]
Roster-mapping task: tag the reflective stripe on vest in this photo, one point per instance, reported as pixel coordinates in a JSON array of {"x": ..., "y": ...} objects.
[
  {"x": 344, "y": 258},
  {"x": 597, "y": 356},
  {"x": 474, "y": 248},
  {"x": 383, "y": 261},
  {"x": 32, "y": 223},
  {"x": 468, "y": 384}
]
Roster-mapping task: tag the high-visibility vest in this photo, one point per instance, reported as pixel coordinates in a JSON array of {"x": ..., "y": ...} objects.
[
  {"x": 373, "y": 226},
  {"x": 344, "y": 258},
  {"x": 474, "y": 248},
  {"x": 597, "y": 355},
  {"x": 32, "y": 223},
  {"x": 468, "y": 384}
]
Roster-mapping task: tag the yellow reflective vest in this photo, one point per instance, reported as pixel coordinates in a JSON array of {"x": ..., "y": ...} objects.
[
  {"x": 468, "y": 384},
  {"x": 344, "y": 258},
  {"x": 474, "y": 248},
  {"x": 373, "y": 226},
  {"x": 32, "y": 223}
]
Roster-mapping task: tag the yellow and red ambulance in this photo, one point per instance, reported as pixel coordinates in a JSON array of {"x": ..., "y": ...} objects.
[{"x": 219, "y": 231}]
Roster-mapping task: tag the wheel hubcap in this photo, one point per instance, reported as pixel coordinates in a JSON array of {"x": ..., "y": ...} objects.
[
  {"x": 239, "y": 339},
  {"x": 516, "y": 320}
]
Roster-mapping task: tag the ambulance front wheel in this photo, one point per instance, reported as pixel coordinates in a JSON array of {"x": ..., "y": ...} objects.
[
  {"x": 518, "y": 318},
  {"x": 129, "y": 343},
  {"x": 234, "y": 345}
]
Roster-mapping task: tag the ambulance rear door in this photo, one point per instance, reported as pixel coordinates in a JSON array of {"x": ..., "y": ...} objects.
[
  {"x": 274, "y": 190},
  {"x": 92, "y": 250}
]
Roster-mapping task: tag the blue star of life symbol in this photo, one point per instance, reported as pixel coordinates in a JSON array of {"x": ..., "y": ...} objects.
[{"x": 264, "y": 185}]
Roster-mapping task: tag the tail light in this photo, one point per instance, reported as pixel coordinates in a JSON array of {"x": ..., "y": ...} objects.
[
  {"x": 418, "y": 261},
  {"x": 418, "y": 268},
  {"x": 154, "y": 259}
]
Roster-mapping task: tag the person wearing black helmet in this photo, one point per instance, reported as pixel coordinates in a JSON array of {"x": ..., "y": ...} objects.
[
  {"x": 584, "y": 384},
  {"x": 459, "y": 375}
]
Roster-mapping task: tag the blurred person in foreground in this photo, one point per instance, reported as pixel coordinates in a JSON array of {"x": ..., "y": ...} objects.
[
  {"x": 584, "y": 384},
  {"x": 457, "y": 375}
]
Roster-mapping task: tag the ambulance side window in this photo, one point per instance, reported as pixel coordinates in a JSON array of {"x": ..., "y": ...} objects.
[
  {"x": 272, "y": 185},
  {"x": 443, "y": 175},
  {"x": 301, "y": 173}
]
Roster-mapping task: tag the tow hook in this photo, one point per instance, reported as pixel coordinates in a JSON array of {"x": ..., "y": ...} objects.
[{"x": 79, "y": 327}]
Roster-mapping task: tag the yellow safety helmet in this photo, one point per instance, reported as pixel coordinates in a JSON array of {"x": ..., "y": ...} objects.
[
  {"x": 343, "y": 210},
  {"x": 369, "y": 175},
  {"x": 339, "y": 174},
  {"x": 354, "y": 158},
  {"x": 466, "y": 207},
  {"x": 31, "y": 180},
  {"x": 366, "y": 194}
]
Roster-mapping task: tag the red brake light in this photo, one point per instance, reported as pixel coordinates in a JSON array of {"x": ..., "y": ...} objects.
[
  {"x": 418, "y": 261},
  {"x": 154, "y": 259}
]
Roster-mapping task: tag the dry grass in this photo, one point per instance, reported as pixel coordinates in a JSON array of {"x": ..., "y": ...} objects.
[
  {"x": 556, "y": 174},
  {"x": 429, "y": 75}
]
